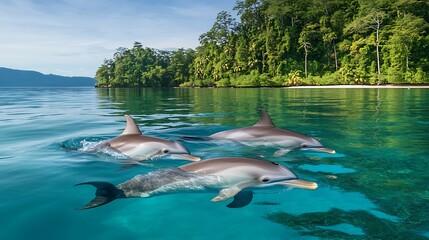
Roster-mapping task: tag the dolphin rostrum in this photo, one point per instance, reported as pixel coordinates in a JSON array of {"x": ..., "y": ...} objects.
[
  {"x": 138, "y": 147},
  {"x": 265, "y": 133},
  {"x": 233, "y": 176}
]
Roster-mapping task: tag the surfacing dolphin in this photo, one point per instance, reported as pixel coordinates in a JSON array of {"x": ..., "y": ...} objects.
[
  {"x": 233, "y": 176},
  {"x": 139, "y": 147},
  {"x": 265, "y": 133}
]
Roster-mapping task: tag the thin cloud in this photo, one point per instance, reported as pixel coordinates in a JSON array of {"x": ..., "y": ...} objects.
[{"x": 72, "y": 37}]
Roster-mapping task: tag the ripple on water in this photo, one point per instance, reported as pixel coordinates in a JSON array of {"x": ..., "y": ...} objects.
[
  {"x": 345, "y": 228},
  {"x": 91, "y": 145},
  {"x": 327, "y": 168}
]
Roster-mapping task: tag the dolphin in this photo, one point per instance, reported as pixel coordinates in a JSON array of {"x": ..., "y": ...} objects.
[
  {"x": 265, "y": 133},
  {"x": 233, "y": 177},
  {"x": 138, "y": 147}
]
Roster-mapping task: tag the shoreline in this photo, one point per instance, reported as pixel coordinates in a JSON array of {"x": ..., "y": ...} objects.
[
  {"x": 363, "y": 86},
  {"x": 314, "y": 86}
]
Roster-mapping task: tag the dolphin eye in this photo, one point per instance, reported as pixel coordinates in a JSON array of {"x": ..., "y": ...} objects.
[
  {"x": 304, "y": 146},
  {"x": 274, "y": 163},
  {"x": 265, "y": 180},
  {"x": 165, "y": 151}
]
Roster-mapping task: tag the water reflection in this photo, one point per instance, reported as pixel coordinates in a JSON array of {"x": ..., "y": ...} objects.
[{"x": 340, "y": 224}]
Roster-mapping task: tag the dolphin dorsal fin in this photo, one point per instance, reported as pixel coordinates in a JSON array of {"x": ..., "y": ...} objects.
[
  {"x": 131, "y": 127},
  {"x": 265, "y": 120}
]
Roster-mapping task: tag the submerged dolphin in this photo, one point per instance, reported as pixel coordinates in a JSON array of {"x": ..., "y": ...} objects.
[
  {"x": 265, "y": 133},
  {"x": 138, "y": 147},
  {"x": 230, "y": 175}
]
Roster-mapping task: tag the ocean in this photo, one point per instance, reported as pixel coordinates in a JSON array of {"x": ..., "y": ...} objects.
[{"x": 376, "y": 186}]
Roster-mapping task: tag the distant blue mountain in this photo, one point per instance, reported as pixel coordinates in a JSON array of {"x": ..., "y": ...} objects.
[{"x": 24, "y": 78}]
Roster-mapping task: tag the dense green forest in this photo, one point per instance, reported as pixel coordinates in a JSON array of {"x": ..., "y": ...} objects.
[{"x": 290, "y": 42}]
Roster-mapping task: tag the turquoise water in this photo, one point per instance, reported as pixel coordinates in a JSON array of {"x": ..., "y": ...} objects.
[{"x": 375, "y": 187}]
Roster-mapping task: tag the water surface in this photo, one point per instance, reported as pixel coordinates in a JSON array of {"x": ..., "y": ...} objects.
[{"x": 376, "y": 186}]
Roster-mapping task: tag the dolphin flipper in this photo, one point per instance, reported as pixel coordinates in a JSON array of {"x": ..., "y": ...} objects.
[
  {"x": 281, "y": 152},
  {"x": 130, "y": 164},
  {"x": 226, "y": 193},
  {"x": 138, "y": 160},
  {"x": 126, "y": 166},
  {"x": 242, "y": 199}
]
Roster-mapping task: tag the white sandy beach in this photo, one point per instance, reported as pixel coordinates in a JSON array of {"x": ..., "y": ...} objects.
[{"x": 364, "y": 86}]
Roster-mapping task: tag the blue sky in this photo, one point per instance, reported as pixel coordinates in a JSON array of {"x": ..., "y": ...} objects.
[{"x": 73, "y": 37}]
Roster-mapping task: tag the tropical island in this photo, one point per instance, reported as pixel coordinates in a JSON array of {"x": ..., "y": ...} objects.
[{"x": 289, "y": 43}]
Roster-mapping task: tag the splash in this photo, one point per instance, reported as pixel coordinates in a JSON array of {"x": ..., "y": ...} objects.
[{"x": 92, "y": 145}]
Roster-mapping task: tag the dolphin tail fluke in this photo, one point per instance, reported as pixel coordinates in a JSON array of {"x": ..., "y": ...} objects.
[
  {"x": 106, "y": 192},
  {"x": 190, "y": 138}
]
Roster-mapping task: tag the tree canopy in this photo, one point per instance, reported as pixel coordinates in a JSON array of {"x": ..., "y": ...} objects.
[{"x": 290, "y": 42}]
